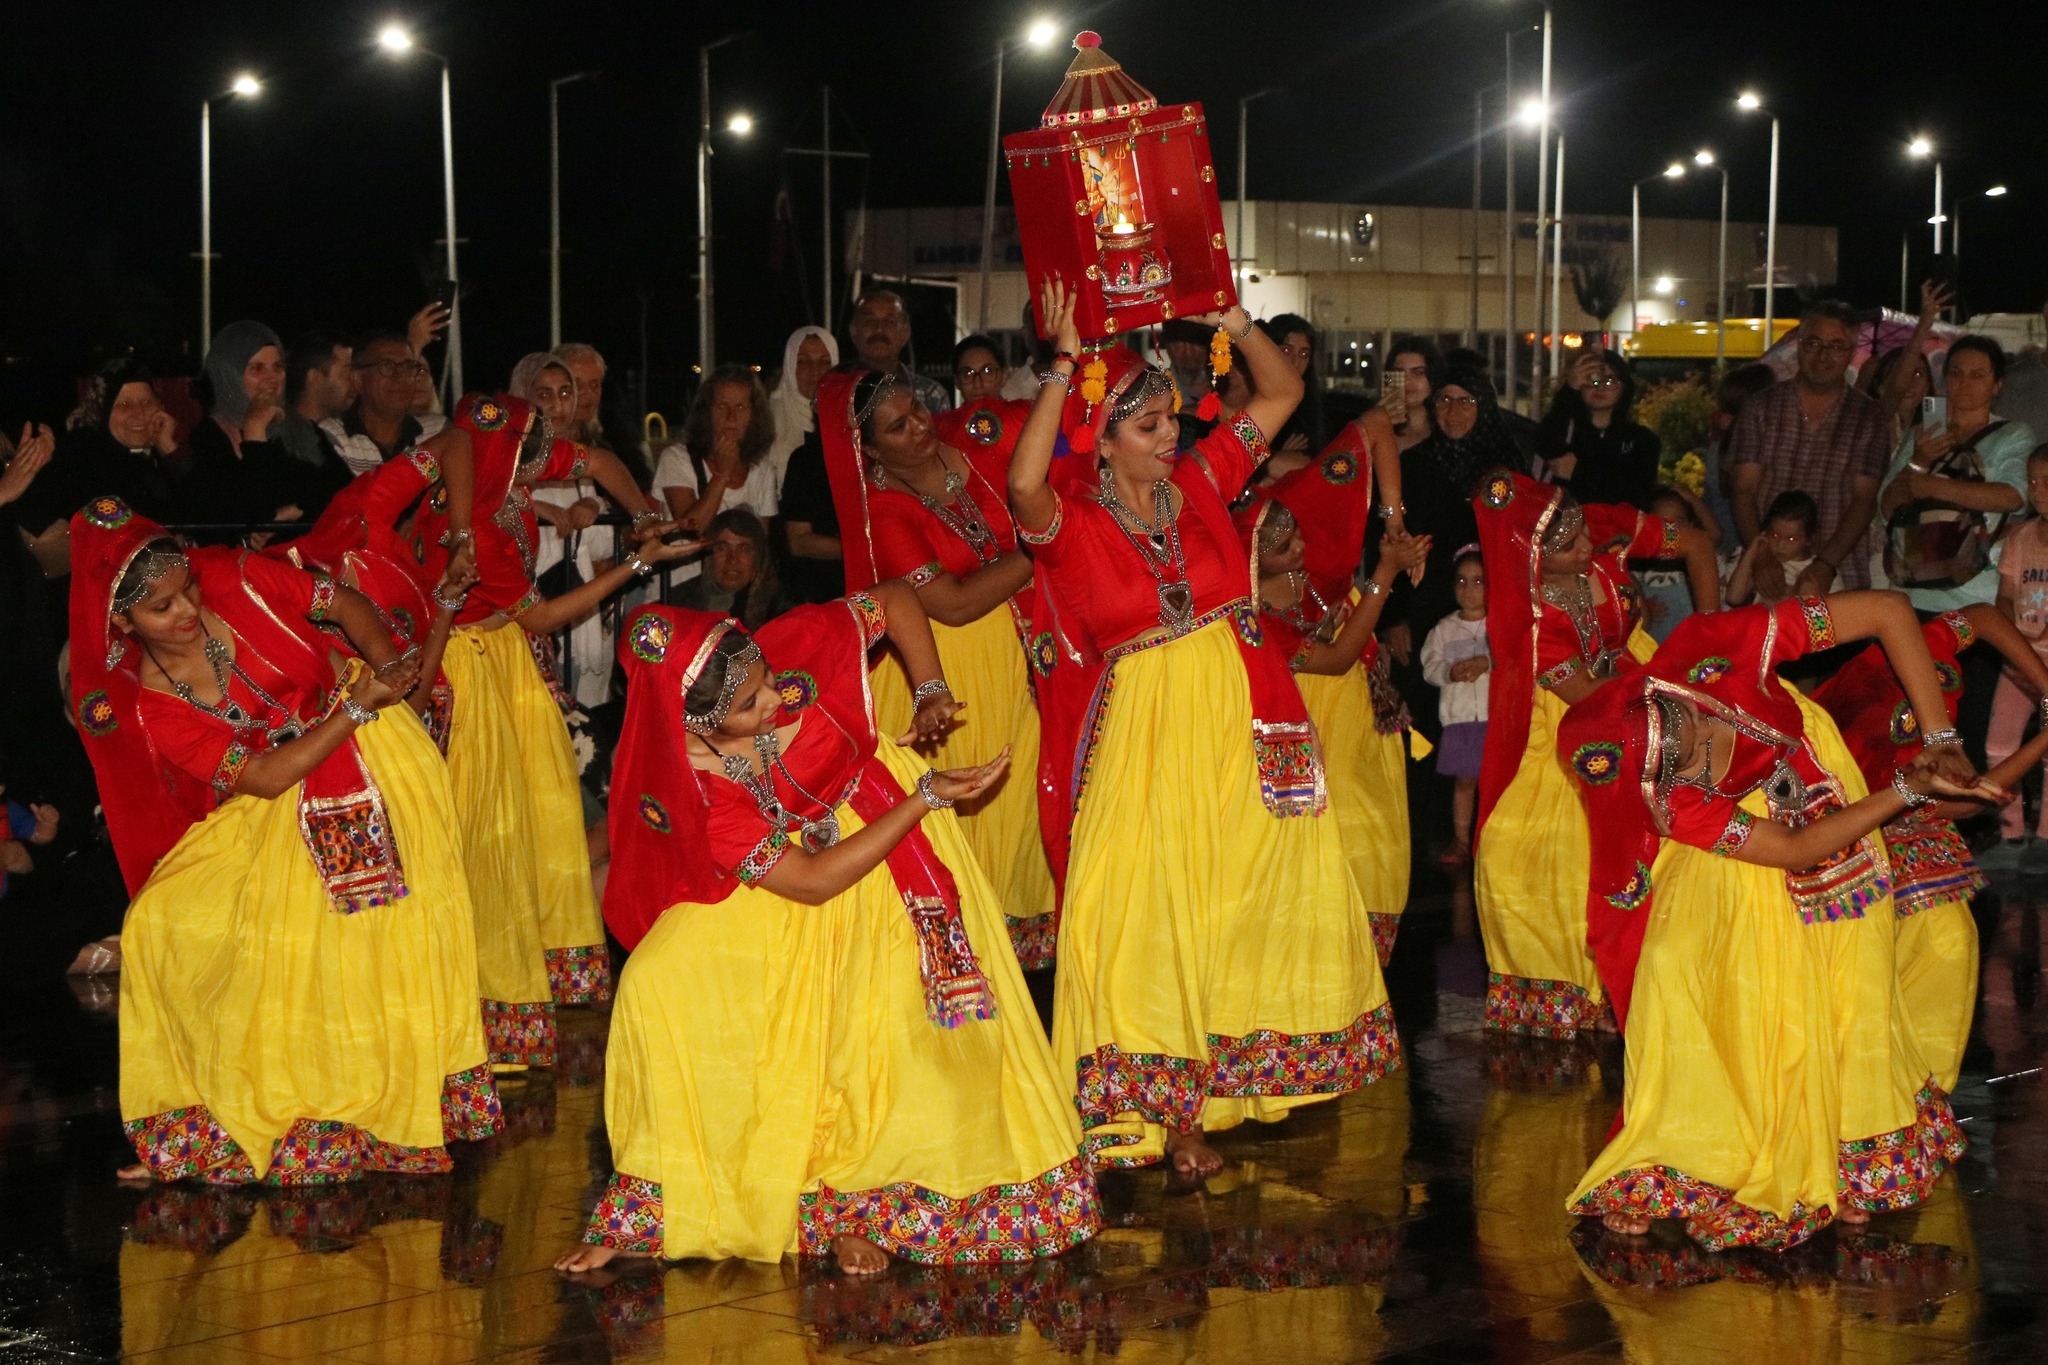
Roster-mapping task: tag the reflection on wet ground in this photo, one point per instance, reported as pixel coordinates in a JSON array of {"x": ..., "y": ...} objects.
[{"x": 1418, "y": 1220}]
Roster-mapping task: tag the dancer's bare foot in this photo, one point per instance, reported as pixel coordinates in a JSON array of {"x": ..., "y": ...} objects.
[
  {"x": 1853, "y": 1216},
  {"x": 1190, "y": 1154},
  {"x": 586, "y": 1258},
  {"x": 859, "y": 1256},
  {"x": 135, "y": 1174},
  {"x": 1627, "y": 1224}
]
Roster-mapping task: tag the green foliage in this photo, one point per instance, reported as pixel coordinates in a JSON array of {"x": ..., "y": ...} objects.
[{"x": 1681, "y": 412}]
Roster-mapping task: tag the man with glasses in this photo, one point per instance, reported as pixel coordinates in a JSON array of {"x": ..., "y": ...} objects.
[
  {"x": 382, "y": 423},
  {"x": 1815, "y": 433}
]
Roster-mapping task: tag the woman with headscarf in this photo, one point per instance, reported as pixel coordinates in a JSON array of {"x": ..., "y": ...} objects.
[
  {"x": 507, "y": 742},
  {"x": 298, "y": 971},
  {"x": 1562, "y": 617},
  {"x": 1307, "y": 530},
  {"x": 1739, "y": 907},
  {"x": 806, "y": 356},
  {"x": 238, "y": 473},
  {"x": 1589, "y": 441},
  {"x": 1934, "y": 874},
  {"x": 915, "y": 506},
  {"x": 1216, "y": 957},
  {"x": 821, "y": 1042}
]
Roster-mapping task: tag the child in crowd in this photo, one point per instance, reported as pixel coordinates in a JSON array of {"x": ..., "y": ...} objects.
[
  {"x": 2022, "y": 596},
  {"x": 1770, "y": 566},
  {"x": 1667, "y": 592},
  {"x": 1455, "y": 660}
]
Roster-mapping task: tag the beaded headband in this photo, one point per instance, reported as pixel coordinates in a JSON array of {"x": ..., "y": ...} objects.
[
  {"x": 1276, "y": 528},
  {"x": 1145, "y": 384},
  {"x": 145, "y": 567},
  {"x": 1668, "y": 721},
  {"x": 736, "y": 666},
  {"x": 1564, "y": 528},
  {"x": 881, "y": 394}
]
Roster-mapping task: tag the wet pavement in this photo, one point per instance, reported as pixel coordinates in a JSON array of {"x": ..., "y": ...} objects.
[{"x": 1419, "y": 1220}]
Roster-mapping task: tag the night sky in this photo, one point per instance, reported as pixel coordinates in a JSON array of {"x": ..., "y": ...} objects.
[{"x": 327, "y": 188}]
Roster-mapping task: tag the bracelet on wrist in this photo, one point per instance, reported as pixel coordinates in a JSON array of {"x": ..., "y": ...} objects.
[
  {"x": 1064, "y": 378},
  {"x": 927, "y": 690},
  {"x": 1387, "y": 511},
  {"x": 356, "y": 711},
  {"x": 1240, "y": 336},
  {"x": 1939, "y": 738},
  {"x": 1913, "y": 799},
  {"x": 640, "y": 567},
  {"x": 444, "y": 604},
  {"x": 647, "y": 518},
  {"x": 2042, "y": 708},
  {"x": 929, "y": 793},
  {"x": 1068, "y": 356},
  {"x": 1374, "y": 588},
  {"x": 451, "y": 539}
]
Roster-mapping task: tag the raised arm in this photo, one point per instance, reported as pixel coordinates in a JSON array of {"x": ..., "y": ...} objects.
[
  {"x": 551, "y": 614},
  {"x": 1276, "y": 387},
  {"x": 1398, "y": 554},
  {"x": 1888, "y": 618},
  {"x": 360, "y": 623},
  {"x": 1031, "y": 499},
  {"x": 1702, "y": 569},
  {"x": 274, "y": 772}
]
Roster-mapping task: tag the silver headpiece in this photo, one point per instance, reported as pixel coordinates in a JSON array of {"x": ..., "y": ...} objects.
[
  {"x": 1276, "y": 528},
  {"x": 875, "y": 400},
  {"x": 1565, "y": 526},
  {"x": 736, "y": 666},
  {"x": 1150, "y": 382},
  {"x": 145, "y": 567}
]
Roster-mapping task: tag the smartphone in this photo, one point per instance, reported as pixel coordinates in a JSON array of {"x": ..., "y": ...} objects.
[
  {"x": 1934, "y": 413},
  {"x": 1394, "y": 394},
  {"x": 444, "y": 294}
]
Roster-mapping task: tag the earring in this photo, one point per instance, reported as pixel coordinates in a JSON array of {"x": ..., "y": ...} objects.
[{"x": 878, "y": 478}]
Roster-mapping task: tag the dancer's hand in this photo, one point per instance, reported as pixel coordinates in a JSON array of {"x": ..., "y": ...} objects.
[
  {"x": 935, "y": 717},
  {"x": 1056, "y": 316},
  {"x": 961, "y": 784}
]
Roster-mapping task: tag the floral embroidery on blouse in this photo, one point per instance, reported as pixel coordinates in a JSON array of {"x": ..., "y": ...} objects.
[
  {"x": 869, "y": 616},
  {"x": 924, "y": 573},
  {"x": 762, "y": 860},
  {"x": 1246, "y": 430},
  {"x": 1558, "y": 674},
  {"x": 1820, "y": 622},
  {"x": 323, "y": 598},
  {"x": 228, "y": 775},
  {"x": 423, "y": 460},
  {"x": 1735, "y": 835},
  {"x": 1966, "y": 634}
]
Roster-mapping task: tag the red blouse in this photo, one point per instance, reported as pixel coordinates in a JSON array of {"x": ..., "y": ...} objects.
[
  {"x": 909, "y": 537},
  {"x": 1096, "y": 567},
  {"x": 204, "y": 745},
  {"x": 1564, "y": 644}
]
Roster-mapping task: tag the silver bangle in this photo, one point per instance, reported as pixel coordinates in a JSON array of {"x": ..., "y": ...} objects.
[
  {"x": 356, "y": 711},
  {"x": 1913, "y": 799},
  {"x": 925, "y": 790},
  {"x": 646, "y": 518},
  {"x": 638, "y": 565},
  {"x": 1060, "y": 377},
  {"x": 444, "y": 604},
  {"x": 2042, "y": 707},
  {"x": 1936, "y": 738},
  {"x": 927, "y": 690},
  {"x": 1240, "y": 336},
  {"x": 451, "y": 539},
  {"x": 1373, "y": 587},
  {"x": 1387, "y": 511}
]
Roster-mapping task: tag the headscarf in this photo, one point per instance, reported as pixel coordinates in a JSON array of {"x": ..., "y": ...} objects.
[
  {"x": 234, "y": 346},
  {"x": 659, "y": 820},
  {"x": 791, "y": 410},
  {"x": 1488, "y": 446},
  {"x": 526, "y": 374},
  {"x": 342, "y": 818},
  {"x": 112, "y": 377}
]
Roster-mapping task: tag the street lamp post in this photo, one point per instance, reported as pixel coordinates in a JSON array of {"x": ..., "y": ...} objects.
[
  {"x": 1706, "y": 159},
  {"x": 1244, "y": 106},
  {"x": 397, "y": 40},
  {"x": 1674, "y": 171},
  {"x": 1542, "y": 187},
  {"x": 1919, "y": 149},
  {"x": 1556, "y": 270},
  {"x": 247, "y": 86},
  {"x": 555, "y": 207},
  {"x": 1507, "y": 229},
  {"x": 706, "y": 356},
  {"x": 1752, "y": 103},
  {"x": 1039, "y": 35}
]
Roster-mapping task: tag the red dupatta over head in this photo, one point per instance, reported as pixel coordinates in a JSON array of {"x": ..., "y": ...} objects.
[
  {"x": 662, "y": 853},
  {"x": 342, "y": 818},
  {"x": 355, "y": 540}
]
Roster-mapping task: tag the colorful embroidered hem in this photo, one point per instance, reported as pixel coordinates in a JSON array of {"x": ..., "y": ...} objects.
[
  {"x": 189, "y": 1143},
  {"x": 520, "y": 1034},
  {"x": 1931, "y": 865},
  {"x": 1713, "y": 1217},
  {"x": 1035, "y": 939},
  {"x": 1112, "y": 1085},
  {"x": 1539, "y": 1008},
  {"x": 1896, "y": 1170},
  {"x": 628, "y": 1217},
  {"x": 1384, "y": 928},
  {"x": 1043, "y": 1217},
  {"x": 580, "y": 975}
]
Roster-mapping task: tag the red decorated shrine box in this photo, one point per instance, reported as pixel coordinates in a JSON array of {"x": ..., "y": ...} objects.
[{"x": 1123, "y": 195}]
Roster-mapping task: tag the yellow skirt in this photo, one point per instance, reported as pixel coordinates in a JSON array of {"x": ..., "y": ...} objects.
[
  {"x": 483, "y": 765},
  {"x": 1529, "y": 881},
  {"x": 1938, "y": 985},
  {"x": 1368, "y": 777},
  {"x": 1216, "y": 963},
  {"x": 266, "y": 1036},
  {"x": 984, "y": 664},
  {"x": 774, "y": 1082}
]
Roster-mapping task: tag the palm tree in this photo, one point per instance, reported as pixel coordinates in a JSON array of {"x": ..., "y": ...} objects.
[{"x": 1597, "y": 283}]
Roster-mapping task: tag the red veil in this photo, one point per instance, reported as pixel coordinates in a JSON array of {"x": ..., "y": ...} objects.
[
  {"x": 356, "y": 538},
  {"x": 341, "y": 813}
]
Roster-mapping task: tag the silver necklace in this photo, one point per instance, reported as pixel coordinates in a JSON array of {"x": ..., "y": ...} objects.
[
  {"x": 1575, "y": 600},
  {"x": 228, "y": 710},
  {"x": 1159, "y": 549},
  {"x": 817, "y": 834},
  {"x": 962, "y": 517}
]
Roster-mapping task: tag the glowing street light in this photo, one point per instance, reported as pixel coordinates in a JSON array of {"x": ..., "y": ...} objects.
[
  {"x": 398, "y": 41},
  {"x": 1702, "y": 157},
  {"x": 246, "y": 86},
  {"x": 1995, "y": 192},
  {"x": 1706, "y": 160},
  {"x": 1664, "y": 285},
  {"x": 1749, "y": 102},
  {"x": 742, "y": 124},
  {"x": 1531, "y": 114},
  {"x": 1920, "y": 148},
  {"x": 394, "y": 38},
  {"x": 1038, "y": 37}
]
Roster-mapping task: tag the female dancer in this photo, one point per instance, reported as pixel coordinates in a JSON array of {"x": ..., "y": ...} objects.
[
  {"x": 915, "y": 507},
  {"x": 1561, "y": 617},
  {"x": 508, "y": 748},
  {"x": 298, "y": 977},
  {"x": 1216, "y": 959},
  {"x": 1309, "y": 531},
  {"x": 1933, "y": 873},
  {"x": 821, "y": 1042},
  {"x": 1769, "y": 1087}
]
